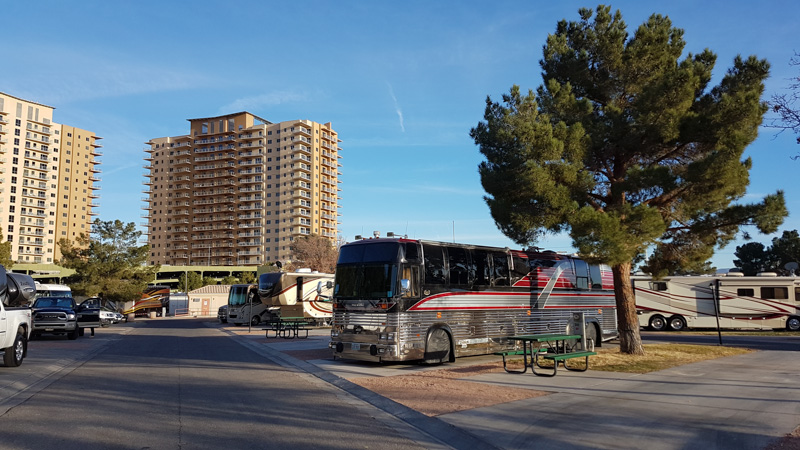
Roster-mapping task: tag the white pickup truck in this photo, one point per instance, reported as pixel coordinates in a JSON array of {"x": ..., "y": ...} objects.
[{"x": 16, "y": 293}]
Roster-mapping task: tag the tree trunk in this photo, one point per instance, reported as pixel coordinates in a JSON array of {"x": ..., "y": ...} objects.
[{"x": 630, "y": 341}]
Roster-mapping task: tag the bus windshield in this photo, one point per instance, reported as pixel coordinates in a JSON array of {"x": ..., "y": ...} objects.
[
  {"x": 238, "y": 295},
  {"x": 367, "y": 271}
]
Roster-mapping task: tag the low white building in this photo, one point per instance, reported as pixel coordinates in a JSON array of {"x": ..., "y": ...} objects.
[{"x": 206, "y": 300}]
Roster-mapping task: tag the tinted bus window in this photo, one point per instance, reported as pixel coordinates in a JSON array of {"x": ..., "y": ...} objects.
[
  {"x": 520, "y": 269},
  {"x": 434, "y": 264},
  {"x": 596, "y": 276},
  {"x": 457, "y": 259},
  {"x": 480, "y": 262},
  {"x": 500, "y": 269},
  {"x": 581, "y": 274},
  {"x": 384, "y": 252}
]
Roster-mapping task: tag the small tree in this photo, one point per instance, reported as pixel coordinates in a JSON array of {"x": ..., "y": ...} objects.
[
  {"x": 753, "y": 257},
  {"x": 230, "y": 279},
  {"x": 248, "y": 278},
  {"x": 5, "y": 253},
  {"x": 626, "y": 147},
  {"x": 190, "y": 281},
  {"x": 109, "y": 262},
  {"x": 314, "y": 252}
]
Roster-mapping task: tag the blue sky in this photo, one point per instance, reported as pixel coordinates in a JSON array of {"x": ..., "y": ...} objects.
[{"x": 402, "y": 83}]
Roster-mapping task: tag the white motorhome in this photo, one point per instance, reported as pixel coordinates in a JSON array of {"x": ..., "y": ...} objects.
[
  {"x": 52, "y": 290},
  {"x": 731, "y": 301},
  {"x": 295, "y": 294}
]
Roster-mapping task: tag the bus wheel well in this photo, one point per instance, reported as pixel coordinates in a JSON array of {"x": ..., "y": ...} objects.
[{"x": 439, "y": 345}]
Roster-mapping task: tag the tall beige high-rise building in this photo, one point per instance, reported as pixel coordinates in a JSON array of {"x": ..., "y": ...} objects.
[
  {"x": 47, "y": 180},
  {"x": 238, "y": 189}
]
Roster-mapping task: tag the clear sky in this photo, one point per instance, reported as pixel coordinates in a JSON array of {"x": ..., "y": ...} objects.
[{"x": 402, "y": 83}]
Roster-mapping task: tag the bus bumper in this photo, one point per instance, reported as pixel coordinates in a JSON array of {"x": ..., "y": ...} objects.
[{"x": 376, "y": 352}]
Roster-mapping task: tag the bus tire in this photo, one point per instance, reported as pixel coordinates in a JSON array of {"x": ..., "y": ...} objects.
[
  {"x": 255, "y": 320},
  {"x": 437, "y": 346},
  {"x": 793, "y": 323},
  {"x": 658, "y": 323},
  {"x": 677, "y": 323}
]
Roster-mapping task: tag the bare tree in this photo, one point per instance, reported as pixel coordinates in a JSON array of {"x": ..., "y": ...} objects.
[
  {"x": 787, "y": 106},
  {"x": 314, "y": 252}
]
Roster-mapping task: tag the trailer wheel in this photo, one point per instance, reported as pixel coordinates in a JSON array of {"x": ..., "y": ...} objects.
[
  {"x": 793, "y": 324},
  {"x": 658, "y": 323},
  {"x": 677, "y": 323},
  {"x": 437, "y": 348},
  {"x": 13, "y": 355}
]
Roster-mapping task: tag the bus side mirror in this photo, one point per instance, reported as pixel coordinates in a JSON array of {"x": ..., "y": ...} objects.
[{"x": 405, "y": 286}]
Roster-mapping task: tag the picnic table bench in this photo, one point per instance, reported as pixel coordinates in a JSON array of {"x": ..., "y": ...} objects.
[
  {"x": 554, "y": 347},
  {"x": 288, "y": 327}
]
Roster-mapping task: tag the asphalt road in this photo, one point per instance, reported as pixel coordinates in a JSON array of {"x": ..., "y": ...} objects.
[
  {"x": 779, "y": 343},
  {"x": 176, "y": 384}
]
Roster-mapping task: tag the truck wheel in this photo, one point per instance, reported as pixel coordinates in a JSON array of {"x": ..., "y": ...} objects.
[
  {"x": 14, "y": 354},
  {"x": 658, "y": 323},
  {"x": 72, "y": 335},
  {"x": 677, "y": 323}
]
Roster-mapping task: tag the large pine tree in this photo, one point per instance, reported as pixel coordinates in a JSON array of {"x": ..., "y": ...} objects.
[{"x": 627, "y": 147}]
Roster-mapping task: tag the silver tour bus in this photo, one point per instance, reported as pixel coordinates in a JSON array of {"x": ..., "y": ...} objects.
[{"x": 398, "y": 299}]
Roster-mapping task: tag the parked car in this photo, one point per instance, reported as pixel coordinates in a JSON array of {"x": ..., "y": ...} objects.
[
  {"x": 222, "y": 314},
  {"x": 107, "y": 314},
  {"x": 55, "y": 315}
]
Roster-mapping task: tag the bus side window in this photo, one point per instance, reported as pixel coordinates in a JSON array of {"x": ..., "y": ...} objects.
[
  {"x": 480, "y": 262},
  {"x": 659, "y": 285},
  {"x": 434, "y": 264},
  {"x": 581, "y": 274},
  {"x": 520, "y": 270},
  {"x": 299, "y": 289},
  {"x": 500, "y": 272},
  {"x": 776, "y": 293},
  {"x": 457, "y": 259},
  {"x": 596, "y": 276}
]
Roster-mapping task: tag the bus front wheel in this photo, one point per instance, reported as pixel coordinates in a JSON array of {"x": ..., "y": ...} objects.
[
  {"x": 437, "y": 347},
  {"x": 793, "y": 324}
]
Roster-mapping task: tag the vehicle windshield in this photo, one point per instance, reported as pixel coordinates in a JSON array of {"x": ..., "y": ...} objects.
[
  {"x": 47, "y": 302},
  {"x": 267, "y": 283},
  {"x": 367, "y": 271},
  {"x": 238, "y": 295},
  {"x": 365, "y": 281}
]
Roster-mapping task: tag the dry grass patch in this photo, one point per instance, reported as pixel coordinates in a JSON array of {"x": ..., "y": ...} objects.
[
  {"x": 659, "y": 357},
  {"x": 656, "y": 357}
]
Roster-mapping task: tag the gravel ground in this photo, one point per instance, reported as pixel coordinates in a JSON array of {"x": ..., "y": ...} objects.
[{"x": 443, "y": 391}]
